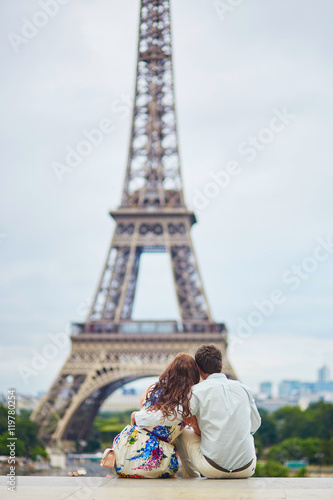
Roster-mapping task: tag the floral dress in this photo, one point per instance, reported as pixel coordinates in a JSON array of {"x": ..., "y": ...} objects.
[{"x": 146, "y": 449}]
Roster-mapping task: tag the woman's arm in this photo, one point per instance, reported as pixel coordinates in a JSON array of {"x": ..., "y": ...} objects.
[
  {"x": 142, "y": 402},
  {"x": 133, "y": 417},
  {"x": 144, "y": 396},
  {"x": 192, "y": 421}
]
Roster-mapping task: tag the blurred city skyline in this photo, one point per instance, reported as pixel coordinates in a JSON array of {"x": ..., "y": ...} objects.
[{"x": 268, "y": 395}]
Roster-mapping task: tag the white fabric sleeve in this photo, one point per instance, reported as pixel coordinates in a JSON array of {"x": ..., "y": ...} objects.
[
  {"x": 255, "y": 416},
  {"x": 194, "y": 405},
  {"x": 144, "y": 418}
]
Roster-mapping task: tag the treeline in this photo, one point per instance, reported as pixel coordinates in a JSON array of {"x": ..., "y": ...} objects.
[
  {"x": 291, "y": 434},
  {"x": 27, "y": 443},
  {"x": 288, "y": 434}
]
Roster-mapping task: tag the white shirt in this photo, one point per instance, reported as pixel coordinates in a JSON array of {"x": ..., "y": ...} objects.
[{"x": 227, "y": 417}]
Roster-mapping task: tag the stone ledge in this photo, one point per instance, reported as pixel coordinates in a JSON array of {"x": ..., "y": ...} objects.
[{"x": 100, "y": 488}]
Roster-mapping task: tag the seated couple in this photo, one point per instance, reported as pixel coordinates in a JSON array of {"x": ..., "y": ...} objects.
[{"x": 208, "y": 424}]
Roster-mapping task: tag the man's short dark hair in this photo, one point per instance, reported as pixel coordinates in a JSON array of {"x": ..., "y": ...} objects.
[{"x": 209, "y": 359}]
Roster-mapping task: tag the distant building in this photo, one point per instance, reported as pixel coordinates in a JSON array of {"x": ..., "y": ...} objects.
[
  {"x": 323, "y": 375},
  {"x": 308, "y": 392},
  {"x": 289, "y": 388},
  {"x": 326, "y": 396},
  {"x": 26, "y": 402},
  {"x": 266, "y": 389},
  {"x": 118, "y": 401},
  {"x": 306, "y": 388},
  {"x": 323, "y": 387},
  {"x": 128, "y": 390},
  {"x": 274, "y": 404}
]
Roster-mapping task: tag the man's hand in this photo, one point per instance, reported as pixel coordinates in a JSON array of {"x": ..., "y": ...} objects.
[{"x": 192, "y": 421}]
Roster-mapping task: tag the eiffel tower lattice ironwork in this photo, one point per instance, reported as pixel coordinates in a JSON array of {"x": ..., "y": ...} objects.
[{"x": 110, "y": 348}]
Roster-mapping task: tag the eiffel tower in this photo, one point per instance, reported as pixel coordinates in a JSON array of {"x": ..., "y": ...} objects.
[{"x": 110, "y": 348}]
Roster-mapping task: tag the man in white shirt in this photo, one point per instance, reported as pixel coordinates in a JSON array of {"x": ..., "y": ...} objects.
[{"x": 227, "y": 416}]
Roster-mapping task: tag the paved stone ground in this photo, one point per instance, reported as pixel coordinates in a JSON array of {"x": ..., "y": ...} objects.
[{"x": 97, "y": 488}]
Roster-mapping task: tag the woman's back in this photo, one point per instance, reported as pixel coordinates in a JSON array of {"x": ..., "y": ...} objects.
[{"x": 146, "y": 449}]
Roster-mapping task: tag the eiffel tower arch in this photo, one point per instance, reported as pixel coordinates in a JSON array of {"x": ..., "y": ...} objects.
[{"x": 110, "y": 348}]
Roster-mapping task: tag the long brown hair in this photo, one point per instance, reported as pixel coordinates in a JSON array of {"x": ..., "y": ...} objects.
[{"x": 173, "y": 392}]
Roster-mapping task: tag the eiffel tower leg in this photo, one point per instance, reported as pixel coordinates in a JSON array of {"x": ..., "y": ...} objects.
[
  {"x": 114, "y": 289},
  {"x": 193, "y": 305},
  {"x": 110, "y": 348},
  {"x": 94, "y": 369},
  {"x": 189, "y": 289},
  {"x": 125, "y": 306}
]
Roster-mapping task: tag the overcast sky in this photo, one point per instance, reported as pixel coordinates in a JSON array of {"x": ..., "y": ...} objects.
[{"x": 254, "y": 98}]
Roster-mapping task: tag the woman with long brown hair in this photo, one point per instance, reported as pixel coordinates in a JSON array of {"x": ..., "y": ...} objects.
[{"x": 145, "y": 448}]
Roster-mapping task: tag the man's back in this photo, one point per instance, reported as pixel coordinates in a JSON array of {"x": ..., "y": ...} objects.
[{"x": 227, "y": 415}]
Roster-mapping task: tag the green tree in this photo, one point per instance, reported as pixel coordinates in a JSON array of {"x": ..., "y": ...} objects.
[
  {"x": 302, "y": 472},
  {"x": 325, "y": 455},
  {"x": 27, "y": 431},
  {"x": 316, "y": 421},
  {"x": 289, "y": 449},
  {"x": 3, "y": 419},
  {"x": 27, "y": 444},
  {"x": 271, "y": 469},
  {"x": 20, "y": 449},
  {"x": 38, "y": 451},
  {"x": 320, "y": 420},
  {"x": 311, "y": 449},
  {"x": 297, "y": 449},
  {"x": 291, "y": 422},
  {"x": 267, "y": 432}
]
